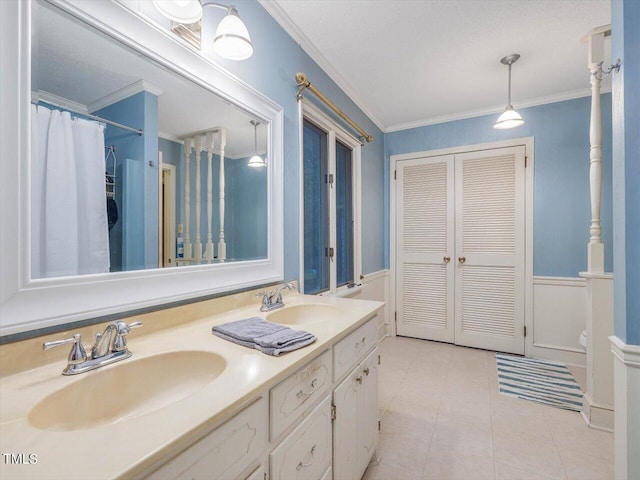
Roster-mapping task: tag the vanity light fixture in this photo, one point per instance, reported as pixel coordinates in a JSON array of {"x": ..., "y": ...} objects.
[
  {"x": 256, "y": 161},
  {"x": 509, "y": 118},
  {"x": 232, "y": 40}
]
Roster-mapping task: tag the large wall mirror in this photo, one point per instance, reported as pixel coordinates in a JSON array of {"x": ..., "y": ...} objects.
[{"x": 140, "y": 188}]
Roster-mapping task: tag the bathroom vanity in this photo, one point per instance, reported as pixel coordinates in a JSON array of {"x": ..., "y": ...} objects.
[{"x": 188, "y": 404}]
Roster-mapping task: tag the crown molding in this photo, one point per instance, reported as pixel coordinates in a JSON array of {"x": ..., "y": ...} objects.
[
  {"x": 560, "y": 97},
  {"x": 274, "y": 9},
  {"x": 125, "y": 92},
  {"x": 58, "y": 101}
]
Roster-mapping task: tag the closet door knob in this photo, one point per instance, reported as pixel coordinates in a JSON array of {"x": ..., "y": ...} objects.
[
  {"x": 462, "y": 259},
  {"x": 447, "y": 259}
]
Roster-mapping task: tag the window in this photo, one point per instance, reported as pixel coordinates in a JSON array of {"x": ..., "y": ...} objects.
[{"x": 330, "y": 202}]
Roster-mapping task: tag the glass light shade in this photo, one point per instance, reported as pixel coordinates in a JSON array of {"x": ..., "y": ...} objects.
[
  {"x": 232, "y": 39},
  {"x": 257, "y": 161},
  {"x": 181, "y": 11},
  {"x": 509, "y": 119}
]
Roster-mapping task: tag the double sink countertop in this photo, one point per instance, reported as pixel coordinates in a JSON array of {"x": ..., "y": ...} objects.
[{"x": 126, "y": 419}]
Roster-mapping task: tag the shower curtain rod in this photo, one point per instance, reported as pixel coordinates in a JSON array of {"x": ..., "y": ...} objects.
[
  {"x": 92, "y": 117},
  {"x": 301, "y": 80}
]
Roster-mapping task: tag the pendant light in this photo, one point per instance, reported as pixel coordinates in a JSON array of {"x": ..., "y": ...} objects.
[
  {"x": 256, "y": 161},
  {"x": 509, "y": 118},
  {"x": 232, "y": 40}
]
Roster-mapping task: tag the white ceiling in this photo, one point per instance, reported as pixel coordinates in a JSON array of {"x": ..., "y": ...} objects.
[
  {"x": 416, "y": 62},
  {"x": 74, "y": 61}
]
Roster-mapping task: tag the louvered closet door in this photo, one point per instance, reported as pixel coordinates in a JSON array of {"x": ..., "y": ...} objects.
[
  {"x": 424, "y": 237},
  {"x": 489, "y": 263}
]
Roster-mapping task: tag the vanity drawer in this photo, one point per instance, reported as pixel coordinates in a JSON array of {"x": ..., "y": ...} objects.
[
  {"x": 224, "y": 453},
  {"x": 352, "y": 348},
  {"x": 306, "y": 452},
  {"x": 298, "y": 392}
]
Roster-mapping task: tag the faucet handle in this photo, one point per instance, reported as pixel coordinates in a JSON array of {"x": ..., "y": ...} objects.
[
  {"x": 76, "y": 355},
  {"x": 266, "y": 296},
  {"x": 122, "y": 329}
]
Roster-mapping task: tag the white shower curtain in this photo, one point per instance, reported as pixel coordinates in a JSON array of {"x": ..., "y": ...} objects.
[{"x": 69, "y": 232}]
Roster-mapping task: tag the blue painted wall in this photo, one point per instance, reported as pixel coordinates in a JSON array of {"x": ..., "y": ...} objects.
[
  {"x": 625, "y": 16},
  {"x": 271, "y": 71},
  {"x": 562, "y": 212},
  {"x": 138, "y": 111}
]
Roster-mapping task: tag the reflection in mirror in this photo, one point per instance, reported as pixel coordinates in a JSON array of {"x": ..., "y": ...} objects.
[{"x": 133, "y": 166}]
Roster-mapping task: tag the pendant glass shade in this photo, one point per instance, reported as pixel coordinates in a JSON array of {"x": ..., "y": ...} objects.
[
  {"x": 181, "y": 11},
  {"x": 257, "y": 161},
  {"x": 232, "y": 39},
  {"x": 509, "y": 119}
]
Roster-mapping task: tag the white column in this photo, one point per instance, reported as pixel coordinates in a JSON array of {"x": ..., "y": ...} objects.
[
  {"x": 222, "y": 246},
  {"x": 597, "y": 407},
  {"x": 198, "y": 148},
  {"x": 187, "y": 198},
  {"x": 210, "y": 149},
  {"x": 596, "y": 247}
]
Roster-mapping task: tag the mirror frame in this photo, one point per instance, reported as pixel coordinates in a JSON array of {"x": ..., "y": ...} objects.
[{"x": 27, "y": 304}]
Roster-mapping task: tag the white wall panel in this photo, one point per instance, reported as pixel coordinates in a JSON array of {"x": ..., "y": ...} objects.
[{"x": 559, "y": 319}]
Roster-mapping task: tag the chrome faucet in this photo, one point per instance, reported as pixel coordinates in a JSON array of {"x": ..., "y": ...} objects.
[
  {"x": 273, "y": 300},
  {"x": 110, "y": 347}
]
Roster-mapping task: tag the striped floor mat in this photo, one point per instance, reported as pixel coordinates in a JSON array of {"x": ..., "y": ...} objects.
[{"x": 540, "y": 381}]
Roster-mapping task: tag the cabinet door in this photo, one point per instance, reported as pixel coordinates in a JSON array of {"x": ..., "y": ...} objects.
[
  {"x": 425, "y": 245},
  {"x": 367, "y": 411},
  {"x": 490, "y": 246},
  {"x": 345, "y": 428}
]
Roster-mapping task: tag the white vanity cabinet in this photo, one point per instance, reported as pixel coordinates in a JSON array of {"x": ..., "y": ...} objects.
[
  {"x": 225, "y": 453},
  {"x": 306, "y": 452},
  {"x": 290, "y": 399},
  {"x": 319, "y": 423},
  {"x": 355, "y": 428}
]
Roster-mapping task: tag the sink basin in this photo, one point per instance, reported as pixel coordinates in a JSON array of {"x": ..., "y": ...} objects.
[
  {"x": 305, "y": 314},
  {"x": 127, "y": 389}
]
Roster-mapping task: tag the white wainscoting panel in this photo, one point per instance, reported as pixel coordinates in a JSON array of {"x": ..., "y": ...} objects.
[
  {"x": 559, "y": 309},
  {"x": 375, "y": 286}
]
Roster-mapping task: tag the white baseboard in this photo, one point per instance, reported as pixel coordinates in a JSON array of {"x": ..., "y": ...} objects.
[
  {"x": 600, "y": 417},
  {"x": 559, "y": 305},
  {"x": 626, "y": 400}
]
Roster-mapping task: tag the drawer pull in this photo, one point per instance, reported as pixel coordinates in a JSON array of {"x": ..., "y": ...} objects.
[
  {"x": 366, "y": 371},
  {"x": 307, "y": 465},
  {"x": 359, "y": 379},
  {"x": 310, "y": 392}
]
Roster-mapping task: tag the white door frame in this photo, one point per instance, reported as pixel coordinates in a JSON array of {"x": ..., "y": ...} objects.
[
  {"x": 162, "y": 227},
  {"x": 528, "y": 143}
]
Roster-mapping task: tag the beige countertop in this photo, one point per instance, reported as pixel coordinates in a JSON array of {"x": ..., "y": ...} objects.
[{"x": 130, "y": 447}]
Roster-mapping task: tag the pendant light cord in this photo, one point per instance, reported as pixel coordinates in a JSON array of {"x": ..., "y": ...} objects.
[{"x": 509, "y": 99}]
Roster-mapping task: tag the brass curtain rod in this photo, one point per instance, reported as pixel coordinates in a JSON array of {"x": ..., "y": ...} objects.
[{"x": 301, "y": 80}]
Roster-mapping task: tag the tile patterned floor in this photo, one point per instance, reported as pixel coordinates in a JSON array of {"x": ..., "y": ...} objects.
[{"x": 443, "y": 418}]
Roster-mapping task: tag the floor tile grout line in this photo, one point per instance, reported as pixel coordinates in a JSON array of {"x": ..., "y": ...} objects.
[{"x": 433, "y": 431}]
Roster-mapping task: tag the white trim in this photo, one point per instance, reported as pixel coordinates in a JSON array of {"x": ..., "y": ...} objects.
[
  {"x": 627, "y": 354},
  {"x": 602, "y": 276},
  {"x": 124, "y": 92},
  {"x": 43, "y": 96},
  {"x": 289, "y": 26},
  {"x": 371, "y": 277},
  {"x": 559, "y": 281},
  {"x": 335, "y": 132},
  {"x": 528, "y": 143},
  {"x": 27, "y": 304}
]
